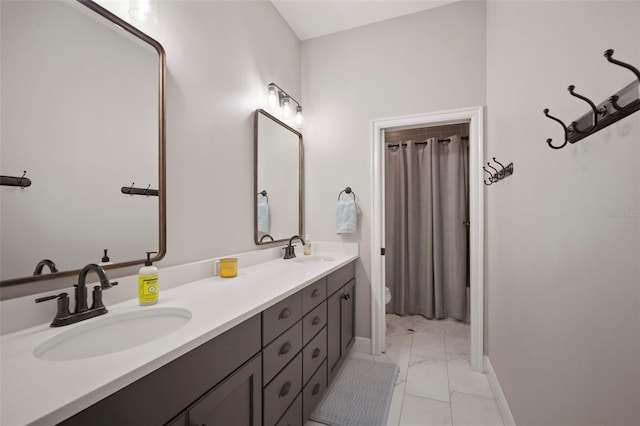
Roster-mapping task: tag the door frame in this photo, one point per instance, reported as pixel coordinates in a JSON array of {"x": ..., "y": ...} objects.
[{"x": 475, "y": 116}]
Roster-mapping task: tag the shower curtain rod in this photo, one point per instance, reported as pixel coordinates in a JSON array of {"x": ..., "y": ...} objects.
[{"x": 424, "y": 142}]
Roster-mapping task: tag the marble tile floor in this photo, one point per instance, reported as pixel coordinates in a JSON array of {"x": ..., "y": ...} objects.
[{"x": 436, "y": 385}]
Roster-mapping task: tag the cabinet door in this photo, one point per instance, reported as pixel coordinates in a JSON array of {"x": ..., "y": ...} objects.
[
  {"x": 347, "y": 316},
  {"x": 333, "y": 333},
  {"x": 235, "y": 402}
]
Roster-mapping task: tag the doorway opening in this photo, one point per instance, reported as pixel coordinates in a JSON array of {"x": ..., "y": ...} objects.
[{"x": 475, "y": 119}]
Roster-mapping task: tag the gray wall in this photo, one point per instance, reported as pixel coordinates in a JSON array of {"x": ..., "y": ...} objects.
[
  {"x": 428, "y": 61},
  {"x": 564, "y": 231}
]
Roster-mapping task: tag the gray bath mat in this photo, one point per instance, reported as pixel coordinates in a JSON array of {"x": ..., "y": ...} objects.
[{"x": 360, "y": 395}]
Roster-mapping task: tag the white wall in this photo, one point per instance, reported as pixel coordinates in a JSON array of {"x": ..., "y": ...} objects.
[
  {"x": 562, "y": 261},
  {"x": 220, "y": 57},
  {"x": 429, "y": 61}
]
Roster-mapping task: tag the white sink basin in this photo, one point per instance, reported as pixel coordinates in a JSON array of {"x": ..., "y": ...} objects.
[
  {"x": 306, "y": 259},
  {"x": 112, "y": 333}
]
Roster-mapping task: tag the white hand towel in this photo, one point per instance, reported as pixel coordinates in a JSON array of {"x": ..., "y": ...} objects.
[
  {"x": 346, "y": 217},
  {"x": 263, "y": 217}
]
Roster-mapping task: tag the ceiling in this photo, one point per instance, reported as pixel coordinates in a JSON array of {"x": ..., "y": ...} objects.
[{"x": 315, "y": 18}]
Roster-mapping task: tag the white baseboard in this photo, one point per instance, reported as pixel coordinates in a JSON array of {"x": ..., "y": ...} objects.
[
  {"x": 503, "y": 406},
  {"x": 362, "y": 345}
]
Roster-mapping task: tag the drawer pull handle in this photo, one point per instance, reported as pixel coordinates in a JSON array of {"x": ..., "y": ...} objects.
[
  {"x": 315, "y": 293},
  {"x": 316, "y": 321},
  {"x": 285, "y": 389},
  {"x": 316, "y": 389},
  {"x": 316, "y": 353},
  {"x": 284, "y": 349},
  {"x": 286, "y": 313}
]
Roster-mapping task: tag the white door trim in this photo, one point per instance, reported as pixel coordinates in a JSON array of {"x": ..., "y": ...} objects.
[{"x": 475, "y": 116}]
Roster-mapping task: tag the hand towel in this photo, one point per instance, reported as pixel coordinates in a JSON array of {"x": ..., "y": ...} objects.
[
  {"x": 263, "y": 217},
  {"x": 346, "y": 217}
]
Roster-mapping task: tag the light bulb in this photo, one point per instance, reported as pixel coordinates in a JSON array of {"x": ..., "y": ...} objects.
[
  {"x": 273, "y": 95},
  {"x": 286, "y": 106},
  {"x": 299, "y": 116},
  {"x": 144, "y": 10}
]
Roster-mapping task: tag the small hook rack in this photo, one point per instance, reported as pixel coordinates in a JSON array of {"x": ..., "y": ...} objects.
[
  {"x": 264, "y": 194},
  {"x": 21, "y": 181},
  {"x": 347, "y": 190},
  {"x": 499, "y": 174},
  {"x": 623, "y": 103},
  {"x": 130, "y": 190}
]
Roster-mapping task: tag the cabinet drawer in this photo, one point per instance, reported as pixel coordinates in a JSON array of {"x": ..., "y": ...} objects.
[
  {"x": 293, "y": 416},
  {"x": 313, "y": 391},
  {"x": 313, "y": 354},
  {"x": 281, "y": 316},
  {"x": 338, "y": 278},
  {"x": 313, "y": 295},
  {"x": 282, "y": 390},
  {"x": 313, "y": 322},
  {"x": 282, "y": 350}
]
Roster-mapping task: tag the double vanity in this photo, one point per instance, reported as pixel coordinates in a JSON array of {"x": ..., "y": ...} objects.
[{"x": 258, "y": 349}]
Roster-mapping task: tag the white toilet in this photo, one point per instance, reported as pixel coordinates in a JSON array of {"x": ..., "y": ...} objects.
[{"x": 387, "y": 295}]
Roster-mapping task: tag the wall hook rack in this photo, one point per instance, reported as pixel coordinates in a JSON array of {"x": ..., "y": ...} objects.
[
  {"x": 130, "y": 190},
  {"x": 499, "y": 174},
  {"x": 621, "y": 104},
  {"x": 21, "y": 181}
]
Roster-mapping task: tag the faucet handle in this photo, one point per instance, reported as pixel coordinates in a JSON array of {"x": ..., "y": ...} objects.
[
  {"x": 63, "y": 307},
  {"x": 55, "y": 296},
  {"x": 108, "y": 285}
]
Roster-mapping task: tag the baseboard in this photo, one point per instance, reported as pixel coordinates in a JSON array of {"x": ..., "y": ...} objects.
[
  {"x": 362, "y": 345},
  {"x": 503, "y": 406}
]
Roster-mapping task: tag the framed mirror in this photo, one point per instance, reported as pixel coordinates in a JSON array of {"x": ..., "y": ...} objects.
[
  {"x": 83, "y": 119},
  {"x": 278, "y": 180}
]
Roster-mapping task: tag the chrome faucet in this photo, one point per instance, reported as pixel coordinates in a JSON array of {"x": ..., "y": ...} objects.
[
  {"x": 289, "y": 250},
  {"x": 81, "y": 311},
  {"x": 45, "y": 262}
]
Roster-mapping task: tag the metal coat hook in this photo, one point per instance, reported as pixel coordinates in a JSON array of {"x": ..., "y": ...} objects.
[
  {"x": 21, "y": 180},
  {"x": 131, "y": 188},
  {"x": 594, "y": 109},
  {"x": 146, "y": 191},
  {"x": 490, "y": 177},
  {"x": 497, "y": 175},
  {"x": 566, "y": 130},
  {"x": 616, "y": 107}
]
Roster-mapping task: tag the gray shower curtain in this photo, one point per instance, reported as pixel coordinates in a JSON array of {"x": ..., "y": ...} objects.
[{"x": 426, "y": 209}]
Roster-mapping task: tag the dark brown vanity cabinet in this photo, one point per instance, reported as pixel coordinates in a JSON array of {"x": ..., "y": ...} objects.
[
  {"x": 272, "y": 369},
  {"x": 220, "y": 379},
  {"x": 341, "y": 287}
]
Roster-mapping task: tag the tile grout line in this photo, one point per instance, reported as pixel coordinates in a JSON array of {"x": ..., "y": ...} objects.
[{"x": 446, "y": 360}]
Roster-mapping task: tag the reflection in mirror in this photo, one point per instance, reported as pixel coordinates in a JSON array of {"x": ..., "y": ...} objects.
[
  {"x": 83, "y": 114},
  {"x": 278, "y": 180}
]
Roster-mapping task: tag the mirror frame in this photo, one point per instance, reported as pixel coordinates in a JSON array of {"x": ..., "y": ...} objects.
[
  {"x": 162, "y": 231},
  {"x": 255, "y": 177}
]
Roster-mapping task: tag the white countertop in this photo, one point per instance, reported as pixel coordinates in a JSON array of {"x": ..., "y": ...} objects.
[{"x": 40, "y": 392}]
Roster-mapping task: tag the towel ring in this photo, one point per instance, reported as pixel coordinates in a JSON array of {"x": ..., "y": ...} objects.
[{"x": 347, "y": 190}]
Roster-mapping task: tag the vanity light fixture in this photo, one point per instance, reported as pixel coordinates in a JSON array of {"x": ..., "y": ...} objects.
[
  {"x": 144, "y": 10},
  {"x": 277, "y": 97}
]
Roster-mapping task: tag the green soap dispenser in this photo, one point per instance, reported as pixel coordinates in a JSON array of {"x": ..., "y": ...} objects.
[{"x": 148, "y": 290}]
